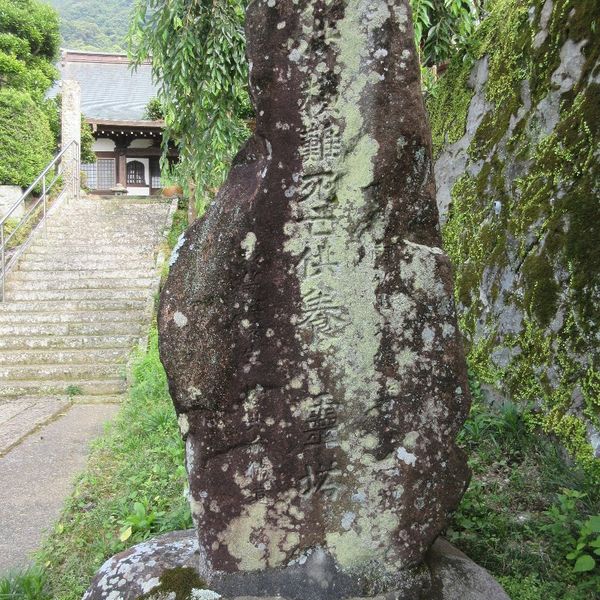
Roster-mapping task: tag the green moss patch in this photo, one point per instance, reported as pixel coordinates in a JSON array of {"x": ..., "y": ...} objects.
[
  {"x": 182, "y": 581},
  {"x": 548, "y": 230}
]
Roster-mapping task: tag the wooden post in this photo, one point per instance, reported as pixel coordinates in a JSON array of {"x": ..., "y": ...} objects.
[{"x": 121, "y": 165}]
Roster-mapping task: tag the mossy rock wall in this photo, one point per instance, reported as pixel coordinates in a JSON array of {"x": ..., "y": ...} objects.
[{"x": 516, "y": 127}]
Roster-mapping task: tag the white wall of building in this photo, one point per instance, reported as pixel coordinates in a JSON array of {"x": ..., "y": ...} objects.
[
  {"x": 103, "y": 145},
  {"x": 142, "y": 143}
]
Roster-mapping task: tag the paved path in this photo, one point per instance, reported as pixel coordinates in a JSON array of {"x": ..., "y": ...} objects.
[
  {"x": 36, "y": 476},
  {"x": 79, "y": 302}
]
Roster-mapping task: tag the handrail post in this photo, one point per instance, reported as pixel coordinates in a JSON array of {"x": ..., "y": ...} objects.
[
  {"x": 2, "y": 258},
  {"x": 78, "y": 171},
  {"x": 44, "y": 201}
]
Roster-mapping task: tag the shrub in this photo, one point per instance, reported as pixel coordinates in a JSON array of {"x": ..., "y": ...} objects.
[{"x": 26, "y": 140}]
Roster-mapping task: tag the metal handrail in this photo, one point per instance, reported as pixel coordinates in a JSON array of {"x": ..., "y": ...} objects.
[{"x": 57, "y": 165}]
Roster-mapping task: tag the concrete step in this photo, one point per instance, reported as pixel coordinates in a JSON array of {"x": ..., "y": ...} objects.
[
  {"x": 93, "y": 283},
  {"x": 76, "y": 306},
  {"x": 113, "y": 316},
  {"x": 18, "y": 389},
  {"x": 120, "y": 222},
  {"x": 65, "y": 249},
  {"x": 76, "y": 295},
  {"x": 99, "y": 263},
  {"x": 73, "y": 239},
  {"x": 42, "y": 247},
  {"x": 83, "y": 329},
  {"x": 84, "y": 242},
  {"x": 95, "y": 263},
  {"x": 91, "y": 222},
  {"x": 106, "y": 399},
  {"x": 80, "y": 232},
  {"x": 59, "y": 356},
  {"x": 49, "y": 275},
  {"x": 115, "y": 250},
  {"x": 108, "y": 258},
  {"x": 68, "y": 342},
  {"x": 92, "y": 227},
  {"x": 52, "y": 372},
  {"x": 106, "y": 205}
]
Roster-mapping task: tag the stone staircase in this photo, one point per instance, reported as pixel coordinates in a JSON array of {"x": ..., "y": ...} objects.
[{"x": 80, "y": 300}]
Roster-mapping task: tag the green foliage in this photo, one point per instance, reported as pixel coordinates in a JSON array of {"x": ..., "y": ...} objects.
[
  {"x": 52, "y": 108},
  {"x": 33, "y": 24},
  {"x": 197, "y": 50},
  {"x": 154, "y": 110},
  {"x": 29, "y": 42},
  {"x": 28, "y": 585},
  {"x": 441, "y": 26},
  {"x": 26, "y": 140},
  {"x": 93, "y": 25},
  {"x": 580, "y": 538},
  {"x": 87, "y": 143},
  {"x": 73, "y": 390},
  {"x": 517, "y": 518}
]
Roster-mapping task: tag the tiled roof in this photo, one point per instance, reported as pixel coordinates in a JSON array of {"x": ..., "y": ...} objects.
[{"x": 110, "y": 89}]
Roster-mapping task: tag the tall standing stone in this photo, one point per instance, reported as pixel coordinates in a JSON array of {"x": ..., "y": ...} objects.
[
  {"x": 307, "y": 326},
  {"x": 71, "y": 129}
]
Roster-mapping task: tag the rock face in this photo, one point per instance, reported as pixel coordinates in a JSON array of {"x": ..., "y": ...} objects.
[
  {"x": 517, "y": 136},
  {"x": 164, "y": 568},
  {"x": 307, "y": 326}
]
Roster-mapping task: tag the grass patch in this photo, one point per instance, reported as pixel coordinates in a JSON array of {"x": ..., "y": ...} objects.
[
  {"x": 527, "y": 510},
  {"x": 29, "y": 585},
  {"x": 180, "y": 224}
]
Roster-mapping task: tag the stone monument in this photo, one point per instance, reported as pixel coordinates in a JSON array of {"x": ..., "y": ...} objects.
[
  {"x": 308, "y": 332},
  {"x": 71, "y": 130},
  {"x": 308, "y": 327}
]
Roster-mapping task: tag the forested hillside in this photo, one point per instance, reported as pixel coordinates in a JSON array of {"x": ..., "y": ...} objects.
[{"x": 92, "y": 25}]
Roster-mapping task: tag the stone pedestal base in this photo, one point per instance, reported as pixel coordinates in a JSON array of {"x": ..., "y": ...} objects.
[{"x": 166, "y": 568}]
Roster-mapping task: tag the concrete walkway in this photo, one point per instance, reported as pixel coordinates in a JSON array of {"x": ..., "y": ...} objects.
[
  {"x": 79, "y": 302},
  {"x": 36, "y": 476}
]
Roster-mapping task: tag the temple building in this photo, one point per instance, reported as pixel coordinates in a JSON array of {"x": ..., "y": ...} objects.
[{"x": 114, "y": 98}]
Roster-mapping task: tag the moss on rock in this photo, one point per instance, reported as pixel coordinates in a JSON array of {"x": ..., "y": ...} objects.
[
  {"x": 181, "y": 581},
  {"x": 528, "y": 278}
]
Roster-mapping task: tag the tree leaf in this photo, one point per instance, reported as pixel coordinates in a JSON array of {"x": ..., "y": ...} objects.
[
  {"x": 593, "y": 524},
  {"x": 126, "y": 534},
  {"x": 584, "y": 563}
]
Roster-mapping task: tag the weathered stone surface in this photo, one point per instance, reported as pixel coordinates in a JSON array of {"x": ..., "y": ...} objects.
[
  {"x": 456, "y": 577},
  {"x": 70, "y": 125},
  {"x": 139, "y": 571},
  {"x": 307, "y": 326},
  {"x": 528, "y": 278}
]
